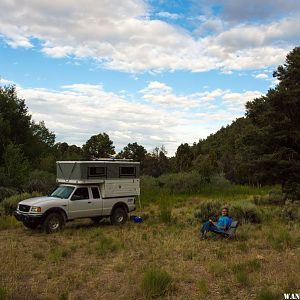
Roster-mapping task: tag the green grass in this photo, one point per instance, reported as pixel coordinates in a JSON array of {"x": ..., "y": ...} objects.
[
  {"x": 3, "y": 293},
  {"x": 58, "y": 254},
  {"x": 156, "y": 282},
  {"x": 267, "y": 294},
  {"x": 115, "y": 262},
  {"x": 217, "y": 268},
  {"x": 203, "y": 287},
  {"x": 105, "y": 245},
  {"x": 166, "y": 188},
  {"x": 8, "y": 222}
]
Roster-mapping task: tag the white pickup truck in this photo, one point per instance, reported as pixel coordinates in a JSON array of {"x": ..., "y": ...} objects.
[{"x": 70, "y": 201}]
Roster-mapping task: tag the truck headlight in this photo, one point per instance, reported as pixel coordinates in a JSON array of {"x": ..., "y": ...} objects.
[{"x": 36, "y": 209}]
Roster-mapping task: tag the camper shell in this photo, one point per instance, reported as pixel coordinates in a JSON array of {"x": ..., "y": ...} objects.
[{"x": 116, "y": 178}]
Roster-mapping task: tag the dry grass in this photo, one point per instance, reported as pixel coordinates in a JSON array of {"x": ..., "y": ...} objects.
[{"x": 88, "y": 261}]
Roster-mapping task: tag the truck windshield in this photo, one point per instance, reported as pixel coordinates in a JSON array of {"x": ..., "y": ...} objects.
[{"x": 62, "y": 192}]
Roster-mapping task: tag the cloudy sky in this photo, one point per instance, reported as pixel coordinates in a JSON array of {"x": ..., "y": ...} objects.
[{"x": 156, "y": 72}]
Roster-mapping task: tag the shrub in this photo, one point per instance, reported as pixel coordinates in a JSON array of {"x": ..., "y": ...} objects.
[
  {"x": 291, "y": 211},
  {"x": 41, "y": 181},
  {"x": 182, "y": 182},
  {"x": 10, "y": 204},
  {"x": 245, "y": 212},
  {"x": 207, "y": 210},
  {"x": 6, "y": 192},
  {"x": 274, "y": 197},
  {"x": 156, "y": 283},
  {"x": 7, "y": 222}
]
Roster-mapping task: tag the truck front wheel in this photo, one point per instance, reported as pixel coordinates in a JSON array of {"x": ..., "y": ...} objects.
[
  {"x": 119, "y": 216},
  {"x": 31, "y": 225},
  {"x": 53, "y": 223}
]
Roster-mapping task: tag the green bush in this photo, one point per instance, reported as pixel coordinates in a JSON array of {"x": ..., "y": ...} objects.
[
  {"x": 291, "y": 211},
  {"x": 245, "y": 211},
  {"x": 208, "y": 209},
  {"x": 7, "y": 222},
  {"x": 274, "y": 197},
  {"x": 156, "y": 283},
  {"x": 10, "y": 204},
  {"x": 182, "y": 182},
  {"x": 41, "y": 181},
  {"x": 6, "y": 192}
]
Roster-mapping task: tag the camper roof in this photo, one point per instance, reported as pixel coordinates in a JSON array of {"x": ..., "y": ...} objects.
[{"x": 102, "y": 160}]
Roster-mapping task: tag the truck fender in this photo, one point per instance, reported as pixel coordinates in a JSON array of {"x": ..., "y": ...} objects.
[
  {"x": 120, "y": 205},
  {"x": 56, "y": 210}
]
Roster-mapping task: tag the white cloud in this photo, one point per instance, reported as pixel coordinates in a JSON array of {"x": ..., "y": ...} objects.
[
  {"x": 262, "y": 76},
  {"x": 5, "y": 81},
  {"x": 77, "y": 111},
  {"x": 120, "y": 35},
  {"x": 237, "y": 101},
  {"x": 165, "y": 14},
  {"x": 161, "y": 94}
]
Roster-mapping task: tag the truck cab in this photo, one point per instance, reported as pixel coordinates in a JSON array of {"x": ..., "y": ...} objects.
[{"x": 69, "y": 202}]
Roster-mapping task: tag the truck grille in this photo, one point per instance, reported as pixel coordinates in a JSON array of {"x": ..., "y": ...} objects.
[{"x": 23, "y": 207}]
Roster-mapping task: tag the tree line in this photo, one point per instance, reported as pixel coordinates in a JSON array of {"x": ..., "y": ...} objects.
[{"x": 261, "y": 148}]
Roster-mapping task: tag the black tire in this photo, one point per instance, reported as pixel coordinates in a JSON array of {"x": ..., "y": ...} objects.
[
  {"x": 53, "y": 223},
  {"x": 31, "y": 225},
  {"x": 96, "y": 219},
  {"x": 119, "y": 216}
]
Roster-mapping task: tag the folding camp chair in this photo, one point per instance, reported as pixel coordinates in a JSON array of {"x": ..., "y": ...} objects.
[{"x": 230, "y": 232}]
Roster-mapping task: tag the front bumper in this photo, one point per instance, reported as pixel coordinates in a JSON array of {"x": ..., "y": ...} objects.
[{"x": 27, "y": 217}]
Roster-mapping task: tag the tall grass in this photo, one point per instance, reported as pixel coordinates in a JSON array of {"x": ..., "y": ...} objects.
[
  {"x": 10, "y": 204},
  {"x": 156, "y": 283},
  {"x": 8, "y": 222},
  {"x": 183, "y": 184}
]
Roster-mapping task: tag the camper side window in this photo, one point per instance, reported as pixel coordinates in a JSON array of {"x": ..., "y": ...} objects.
[
  {"x": 97, "y": 172},
  {"x": 127, "y": 171},
  {"x": 81, "y": 194}
]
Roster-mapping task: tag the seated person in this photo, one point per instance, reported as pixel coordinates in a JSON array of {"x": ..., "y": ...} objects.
[{"x": 217, "y": 227}]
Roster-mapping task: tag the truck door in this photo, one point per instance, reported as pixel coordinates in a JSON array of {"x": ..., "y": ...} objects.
[
  {"x": 97, "y": 201},
  {"x": 82, "y": 204}
]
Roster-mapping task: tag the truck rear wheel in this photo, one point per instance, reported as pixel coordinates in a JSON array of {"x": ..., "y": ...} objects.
[
  {"x": 119, "y": 216},
  {"x": 53, "y": 223}
]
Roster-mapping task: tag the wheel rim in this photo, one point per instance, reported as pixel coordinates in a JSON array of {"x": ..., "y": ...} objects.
[
  {"x": 119, "y": 218},
  {"x": 54, "y": 223}
]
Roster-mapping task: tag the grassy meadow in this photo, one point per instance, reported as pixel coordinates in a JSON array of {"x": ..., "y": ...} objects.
[{"x": 162, "y": 258}]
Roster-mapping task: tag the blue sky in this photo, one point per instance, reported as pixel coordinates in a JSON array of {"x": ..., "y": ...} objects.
[{"x": 155, "y": 72}]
